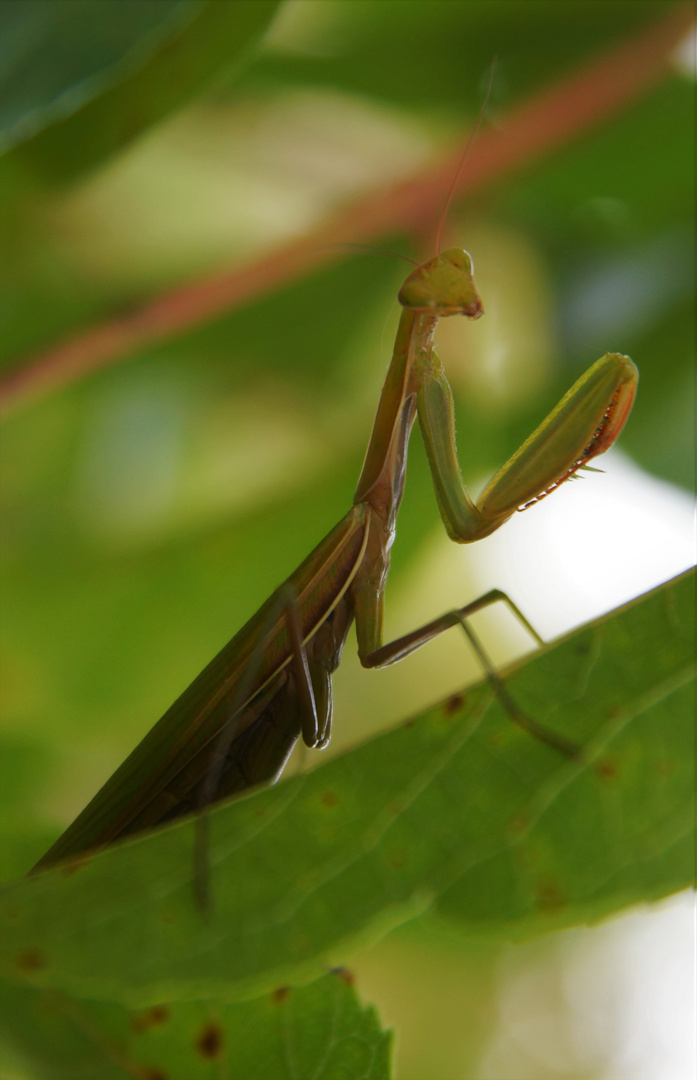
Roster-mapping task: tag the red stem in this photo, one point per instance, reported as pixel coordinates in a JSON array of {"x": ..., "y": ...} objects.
[{"x": 539, "y": 125}]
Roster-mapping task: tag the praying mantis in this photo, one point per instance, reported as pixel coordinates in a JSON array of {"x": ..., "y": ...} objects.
[{"x": 234, "y": 727}]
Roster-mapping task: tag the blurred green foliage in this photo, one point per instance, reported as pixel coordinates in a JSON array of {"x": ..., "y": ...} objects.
[
  {"x": 83, "y": 79},
  {"x": 151, "y": 507}
]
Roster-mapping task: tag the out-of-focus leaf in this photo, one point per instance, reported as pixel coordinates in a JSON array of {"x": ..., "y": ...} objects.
[
  {"x": 83, "y": 78},
  {"x": 321, "y": 1030},
  {"x": 458, "y": 811},
  {"x": 425, "y": 55},
  {"x": 56, "y": 57}
]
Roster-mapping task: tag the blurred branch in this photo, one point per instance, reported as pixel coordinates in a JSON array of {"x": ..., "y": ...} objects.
[{"x": 538, "y": 126}]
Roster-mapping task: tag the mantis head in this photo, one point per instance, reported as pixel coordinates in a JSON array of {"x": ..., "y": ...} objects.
[{"x": 443, "y": 286}]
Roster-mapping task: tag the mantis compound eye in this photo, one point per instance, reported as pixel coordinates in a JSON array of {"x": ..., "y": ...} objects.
[
  {"x": 417, "y": 292},
  {"x": 459, "y": 258}
]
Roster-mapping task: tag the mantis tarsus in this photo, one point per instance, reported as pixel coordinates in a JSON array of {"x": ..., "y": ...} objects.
[{"x": 236, "y": 724}]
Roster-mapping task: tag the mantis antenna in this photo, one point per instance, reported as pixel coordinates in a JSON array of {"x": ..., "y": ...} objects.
[{"x": 463, "y": 159}]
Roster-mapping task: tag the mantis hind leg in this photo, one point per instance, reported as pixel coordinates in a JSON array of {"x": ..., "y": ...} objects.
[{"x": 408, "y": 643}]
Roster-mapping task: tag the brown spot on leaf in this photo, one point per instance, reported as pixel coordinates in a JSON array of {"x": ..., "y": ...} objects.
[
  {"x": 329, "y": 798},
  {"x": 581, "y": 648},
  {"x": 607, "y": 768},
  {"x": 665, "y": 767},
  {"x": 210, "y": 1042},
  {"x": 30, "y": 960},
  {"x": 344, "y": 974},
  {"x": 11, "y": 912},
  {"x": 280, "y": 995},
  {"x": 550, "y": 897},
  {"x": 154, "y": 1074},
  {"x": 453, "y": 704},
  {"x": 397, "y": 859},
  {"x": 149, "y": 1018}
]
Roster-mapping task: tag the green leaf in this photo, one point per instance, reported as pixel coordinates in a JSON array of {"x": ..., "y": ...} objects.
[
  {"x": 82, "y": 78},
  {"x": 56, "y": 57},
  {"x": 458, "y": 811},
  {"x": 321, "y": 1030},
  {"x": 421, "y": 55}
]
